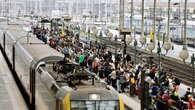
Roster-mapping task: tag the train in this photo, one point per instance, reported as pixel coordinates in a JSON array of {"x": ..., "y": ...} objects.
[
  {"x": 74, "y": 88},
  {"x": 175, "y": 29},
  {"x": 77, "y": 88},
  {"x": 177, "y": 32}
]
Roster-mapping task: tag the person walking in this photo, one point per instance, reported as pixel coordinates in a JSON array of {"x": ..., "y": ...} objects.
[
  {"x": 95, "y": 65},
  {"x": 113, "y": 79},
  {"x": 81, "y": 59},
  {"x": 89, "y": 63}
]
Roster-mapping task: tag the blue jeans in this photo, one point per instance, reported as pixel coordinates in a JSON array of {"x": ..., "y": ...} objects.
[{"x": 90, "y": 68}]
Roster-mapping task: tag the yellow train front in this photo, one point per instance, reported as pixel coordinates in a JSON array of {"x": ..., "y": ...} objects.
[{"x": 88, "y": 98}]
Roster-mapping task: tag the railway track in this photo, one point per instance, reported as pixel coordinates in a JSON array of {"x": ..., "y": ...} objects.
[{"x": 181, "y": 70}]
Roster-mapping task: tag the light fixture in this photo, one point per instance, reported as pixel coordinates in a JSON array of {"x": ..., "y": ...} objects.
[
  {"x": 95, "y": 32},
  {"x": 110, "y": 35},
  {"x": 184, "y": 54},
  {"x": 142, "y": 39},
  {"x": 167, "y": 44},
  {"x": 151, "y": 46},
  {"x": 129, "y": 39},
  {"x": 83, "y": 28},
  {"x": 94, "y": 97},
  {"x": 101, "y": 34},
  {"x": 89, "y": 30},
  {"x": 94, "y": 28},
  {"x": 106, "y": 31}
]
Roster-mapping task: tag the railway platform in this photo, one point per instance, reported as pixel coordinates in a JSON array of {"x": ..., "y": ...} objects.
[
  {"x": 44, "y": 94},
  {"x": 10, "y": 97},
  {"x": 97, "y": 55},
  {"x": 131, "y": 103},
  {"x": 45, "y": 98}
]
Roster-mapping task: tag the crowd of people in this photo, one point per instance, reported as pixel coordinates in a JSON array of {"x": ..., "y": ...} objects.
[{"x": 120, "y": 71}]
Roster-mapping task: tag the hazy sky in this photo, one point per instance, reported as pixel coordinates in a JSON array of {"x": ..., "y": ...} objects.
[
  {"x": 166, "y": 0},
  {"x": 128, "y": 0}
]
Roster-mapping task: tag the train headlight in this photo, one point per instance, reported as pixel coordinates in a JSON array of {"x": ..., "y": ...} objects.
[{"x": 94, "y": 97}]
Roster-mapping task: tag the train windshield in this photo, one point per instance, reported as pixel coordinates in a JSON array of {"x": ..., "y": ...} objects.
[{"x": 95, "y": 105}]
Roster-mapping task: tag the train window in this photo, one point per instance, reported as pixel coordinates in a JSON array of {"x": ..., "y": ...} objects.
[
  {"x": 78, "y": 105},
  {"x": 108, "y": 105},
  {"x": 94, "y": 105}
]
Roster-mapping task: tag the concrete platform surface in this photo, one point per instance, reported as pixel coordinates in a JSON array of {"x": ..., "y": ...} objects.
[
  {"x": 10, "y": 97},
  {"x": 131, "y": 103}
]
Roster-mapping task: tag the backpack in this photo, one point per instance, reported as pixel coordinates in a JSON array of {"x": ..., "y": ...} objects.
[{"x": 65, "y": 50}]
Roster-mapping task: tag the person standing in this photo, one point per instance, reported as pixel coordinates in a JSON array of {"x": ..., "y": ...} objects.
[
  {"x": 95, "y": 65},
  {"x": 89, "y": 63},
  {"x": 113, "y": 79},
  {"x": 128, "y": 58},
  {"x": 81, "y": 59}
]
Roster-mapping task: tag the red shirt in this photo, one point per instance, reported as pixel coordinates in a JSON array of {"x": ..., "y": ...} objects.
[{"x": 191, "y": 104}]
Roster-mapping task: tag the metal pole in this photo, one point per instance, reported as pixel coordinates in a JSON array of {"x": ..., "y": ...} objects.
[
  {"x": 185, "y": 18},
  {"x": 115, "y": 44},
  {"x": 124, "y": 50},
  {"x": 88, "y": 35},
  {"x": 77, "y": 6},
  {"x": 131, "y": 24},
  {"x": 121, "y": 21},
  {"x": 99, "y": 9},
  {"x": 7, "y": 12},
  {"x": 142, "y": 29},
  {"x": 13, "y": 56},
  {"x": 180, "y": 22},
  {"x": 135, "y": 45},
  {"x": 28, "y": 38},
  {"x": 32, "y": 89},
  {"x": 193, "y": 74},
  {"x": 159, "y": 48},
  {"x": 135, "y": 53},
  {"x": 159, "y": 59},
  {"x": 180, "y": 11},
  {"x": 106, "y": 11},
  {"x": 93, "y": 80},
  {"x": 131, "y": 18},
  {"x": 4, "y": 41},
  {"x": 154, "y": 21},
  {"x": 142, "y": 91},
  {"x": 168, "y": 21}
]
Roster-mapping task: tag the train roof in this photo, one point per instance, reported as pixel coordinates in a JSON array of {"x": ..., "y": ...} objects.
[{"x": 39, "y": 51}]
